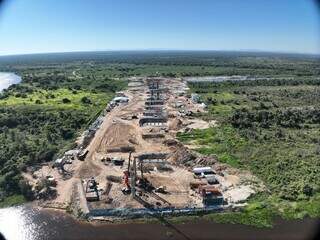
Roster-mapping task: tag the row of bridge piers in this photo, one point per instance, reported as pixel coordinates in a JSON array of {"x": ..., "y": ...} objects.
[{"x": 154, "y": 114}]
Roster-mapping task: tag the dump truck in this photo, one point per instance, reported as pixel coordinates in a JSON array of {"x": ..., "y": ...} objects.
[{"x": 210, "y": 195}]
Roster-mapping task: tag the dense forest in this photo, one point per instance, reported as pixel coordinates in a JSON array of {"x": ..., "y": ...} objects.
[{"x": 168, "y": 63}]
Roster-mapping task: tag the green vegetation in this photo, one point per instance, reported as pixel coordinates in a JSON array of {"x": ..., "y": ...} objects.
[
  {"x": 12, "y": 201},
  {"x": 260, "y": 212},
  {"x": 224, "y": 142},
  {"x": 41, "y": 118},
  {"x": 257, "y": 215},
  {"x": 269, "y": 126},
  {"x": 263, "y": 209},
  {"x": 165, "y": 63},
  {"x": 273, "y": 131},
  {"x": 61, "y": 98}
]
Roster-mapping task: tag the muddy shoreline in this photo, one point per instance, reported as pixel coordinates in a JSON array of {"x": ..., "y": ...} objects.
[{"x": 29, "y": 223}]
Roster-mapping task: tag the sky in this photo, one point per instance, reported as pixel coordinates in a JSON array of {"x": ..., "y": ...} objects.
[{"x": 41, "y": 26}]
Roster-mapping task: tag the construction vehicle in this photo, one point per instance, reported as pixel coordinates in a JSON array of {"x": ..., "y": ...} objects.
[
  {"x": 59, "y": 164},
  {"x": 117, "y": 161},
  {"x": 210, "y": 195},
  {"x": 82, "y": 155},
  {"x": 91, "y": 190}
]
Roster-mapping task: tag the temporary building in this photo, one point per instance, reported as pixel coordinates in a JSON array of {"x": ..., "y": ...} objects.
[{"x": 121, "y": 99}]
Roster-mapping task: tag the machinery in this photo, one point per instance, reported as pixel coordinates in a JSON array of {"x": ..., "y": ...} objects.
[
  {"x": 210, "y": 195},
  {"x": 126, "y": 189},
  {"x": 126, "y": 174},
  {"x": 91, "y": 190}
]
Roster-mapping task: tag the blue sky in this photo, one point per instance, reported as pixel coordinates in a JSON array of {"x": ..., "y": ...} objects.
[{"x": 33, "y": 26}]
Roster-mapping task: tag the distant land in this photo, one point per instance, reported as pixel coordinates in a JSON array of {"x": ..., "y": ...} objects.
[{"x": 129, "y": 55}]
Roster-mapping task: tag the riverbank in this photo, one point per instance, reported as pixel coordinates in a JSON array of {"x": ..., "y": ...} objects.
[
  {"x": 34, "y": 224},
  {"x": 7, "y": 79},
  {"x": 61, "y": 105}
]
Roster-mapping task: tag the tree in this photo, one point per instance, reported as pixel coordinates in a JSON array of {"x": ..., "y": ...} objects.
[
  {"x": 66, "y": 100},
  {"x": 86, "y": 100},
  {"x": 26, "y": 189}
]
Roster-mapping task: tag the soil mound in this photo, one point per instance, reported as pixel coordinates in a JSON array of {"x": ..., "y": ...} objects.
[
  {"x": 184, "y": 156},
  {"x": 176, "y": 124},
  {"x": 118, "y": 135}
]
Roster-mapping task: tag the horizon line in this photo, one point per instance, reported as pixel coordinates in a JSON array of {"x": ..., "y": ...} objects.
[{"x": 165, "y": 50}]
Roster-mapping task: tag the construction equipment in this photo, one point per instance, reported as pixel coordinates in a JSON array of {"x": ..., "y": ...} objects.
[
  {"x": 210, "y": 195},
  {"x": 91, "y": 190},
  {"x": 126, "y": 189},
  {"x": 59, "y": 164},
  {"x": 129, "y": 162},
  {"x": 82, "y": 155},
  {"x": 117, "y": 161},
  {"x": 161, "y": 189},
  {"x": 133, "y": 175},
  {"x": 130, "y": 172}
]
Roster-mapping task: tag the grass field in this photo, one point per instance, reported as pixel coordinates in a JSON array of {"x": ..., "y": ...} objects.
[{"x": 61, "y": 98}]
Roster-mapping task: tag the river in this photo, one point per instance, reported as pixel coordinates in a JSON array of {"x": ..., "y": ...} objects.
[
  {"x": 7, "y": 79},
  {"x": 27, "y": 223}
]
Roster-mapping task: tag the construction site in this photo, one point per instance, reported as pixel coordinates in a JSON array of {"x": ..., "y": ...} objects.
[{"x": 129, "y": 160}]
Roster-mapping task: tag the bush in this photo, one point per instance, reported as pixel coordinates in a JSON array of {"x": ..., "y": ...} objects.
[
  {"x": 26, "y": 189},
  {"x": 86, "y": 100},
  {"x": 66, "y": 100}
]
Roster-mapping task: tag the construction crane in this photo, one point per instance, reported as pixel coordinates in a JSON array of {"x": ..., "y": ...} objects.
[{"x": 126, "y": 174}]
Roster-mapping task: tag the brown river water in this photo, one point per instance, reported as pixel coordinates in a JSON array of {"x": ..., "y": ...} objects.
[{"x": 27, "y": 223}]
